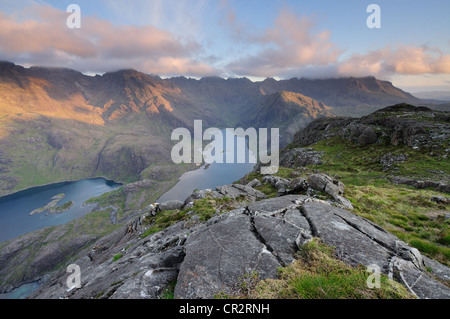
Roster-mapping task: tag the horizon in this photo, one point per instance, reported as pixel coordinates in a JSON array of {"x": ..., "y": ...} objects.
[
  {"x": 234, "y": 39},
  {"x": 207, "y": 76}
]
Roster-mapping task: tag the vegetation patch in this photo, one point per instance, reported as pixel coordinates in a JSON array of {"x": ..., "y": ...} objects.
[
  {"x": 162, "y": 220},
  {"x": 407, "y": 212},
  {"x": 61, "y": 209},
  {"x": 318, "y": 274},
  {"x": 117, "y": 256},
  {"x": 204, "y": 208},
  {"x": 168, "y": 292}
]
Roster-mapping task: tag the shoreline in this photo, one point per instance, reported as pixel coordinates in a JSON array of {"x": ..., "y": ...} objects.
[{"x": 61, "y": 182}]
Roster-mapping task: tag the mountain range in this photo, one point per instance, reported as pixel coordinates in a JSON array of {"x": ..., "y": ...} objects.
[{"x": 59, "y": 124}]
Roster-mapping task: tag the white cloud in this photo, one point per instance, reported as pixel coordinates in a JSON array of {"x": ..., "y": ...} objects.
[{"x": 98, "y": 46}]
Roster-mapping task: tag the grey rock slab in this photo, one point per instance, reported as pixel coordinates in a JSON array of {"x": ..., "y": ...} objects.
[
  {"x": 343, "y": 202},
  {"x": 218, "y": 256},
  {"x": 418, "y": 282},
  {"x": 236, "y": 190},
  {"x": 437, "y": 269},
  {"x": 371, "y": 230},
  {"x": 171, "y": 205},
  {"x": 280, "y": 233},
  {"x": 352, "y": 245},
  {"x": 273, "y": 206}
]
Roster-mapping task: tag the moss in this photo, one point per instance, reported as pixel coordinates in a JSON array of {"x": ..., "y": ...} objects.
[{"x": 168, "y": 292}]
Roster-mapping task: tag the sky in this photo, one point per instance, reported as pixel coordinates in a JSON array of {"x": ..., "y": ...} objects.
[{"x": 235, "y": 38}]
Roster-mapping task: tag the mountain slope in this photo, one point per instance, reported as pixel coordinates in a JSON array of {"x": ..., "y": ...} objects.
[
  {"x": 59, "y": 124},
  {"x": 396, "y": 227},
  {"x": 288, "y": 111},
  {"x": 344, "y": 92}
]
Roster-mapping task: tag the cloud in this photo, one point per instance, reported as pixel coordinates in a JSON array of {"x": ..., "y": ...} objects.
[
  {"x": 294, "y": 48},
  {"x": 42, "y": 37},
  {"x": 287, "y": 47},
  {"x": 180, "y": 42},
  {"x": 402, "y": 59}
]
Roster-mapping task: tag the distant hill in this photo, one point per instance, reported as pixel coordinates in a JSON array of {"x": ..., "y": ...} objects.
[
  {"x": 59, "y": 124},
  {"x": 434, "y": 95}
]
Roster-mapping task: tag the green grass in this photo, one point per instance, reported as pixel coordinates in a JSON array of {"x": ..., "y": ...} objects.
[
  {"x": 356, "y": 164},
  {"x": 204, "y": 208},
  {"x": 117, "y": 256},
  {"x": 163, "y": 220},
  {"x": 405, "y": 211},
  {"x": 61, "y": 208},
  {"x": 168, "y": 292},
  {"x": 318, "y": 274}
]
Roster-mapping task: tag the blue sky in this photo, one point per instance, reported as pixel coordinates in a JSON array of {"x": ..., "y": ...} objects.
[{"x": 235, "y": 38}]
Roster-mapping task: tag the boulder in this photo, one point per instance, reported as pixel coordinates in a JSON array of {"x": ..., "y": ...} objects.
[
  {"x": 203, "y": 193},
  {"x": 171, "y": 205},
  {"x": 368, "y": 136},
  {"x": 276, "y": 181},
  {"x": 254, "y": 183},
  {"x": 325, "y": 183}
]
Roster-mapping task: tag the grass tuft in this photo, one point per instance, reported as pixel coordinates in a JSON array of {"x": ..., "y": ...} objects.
[{"x": 319, "y": 274}]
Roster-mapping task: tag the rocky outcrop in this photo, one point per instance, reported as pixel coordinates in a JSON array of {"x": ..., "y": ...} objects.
[
  {"x": 171, "y": 205},
  {"x": 388, "y": 160},
  {"x": 421, "y": 184},
  {"x": 210, "y": 257},
  {"x": 401, "y": 124},
  {"x": 231, "y": 191},
  {"x": 30, "y": 257},
  {"x": 300, "y": 157}
]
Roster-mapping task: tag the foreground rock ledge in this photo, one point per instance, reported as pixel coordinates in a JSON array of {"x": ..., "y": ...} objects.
[{"x": 209, "y": 258}]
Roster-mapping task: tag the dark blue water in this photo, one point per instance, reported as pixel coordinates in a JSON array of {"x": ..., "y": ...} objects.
[
  {"x": 15, "y": 208},
  {"x": 213, "y": 175},
  {"x": 22, "y": 292}
]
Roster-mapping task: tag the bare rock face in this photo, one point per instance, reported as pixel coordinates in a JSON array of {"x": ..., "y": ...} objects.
[
  {"x": 218, "y": 256},
  {"x": 300, "y": 157},
  {"x": 171, "y": 205},
  {"x": 401, "y": 124},
  {"x": 209, "y": 258}
]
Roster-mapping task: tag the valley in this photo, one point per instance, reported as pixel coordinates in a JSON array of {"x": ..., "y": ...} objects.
[{"x": 60, "y": 125}]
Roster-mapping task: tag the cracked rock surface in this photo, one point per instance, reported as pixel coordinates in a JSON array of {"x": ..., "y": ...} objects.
[{"x": 208, "y": 258}]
